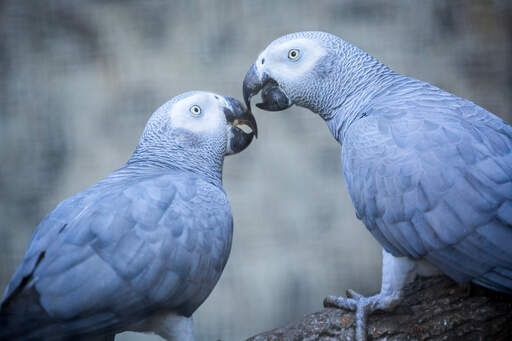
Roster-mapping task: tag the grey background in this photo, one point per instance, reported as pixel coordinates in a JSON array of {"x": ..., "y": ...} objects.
[{"x": 78, "y": 80}]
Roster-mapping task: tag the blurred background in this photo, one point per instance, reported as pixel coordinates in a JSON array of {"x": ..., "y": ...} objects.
[{"x": 78, "y": 80}]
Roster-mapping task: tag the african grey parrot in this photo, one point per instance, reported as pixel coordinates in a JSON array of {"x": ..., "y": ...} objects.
[
  {"x": 429, "y": 173},
  {"x": 144, "y": 247}
]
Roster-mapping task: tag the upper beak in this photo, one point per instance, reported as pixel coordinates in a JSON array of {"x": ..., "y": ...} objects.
[
  {"x": 274, "y": 98},
  {"x": 252, "y": 85},
  {"x": 237, "y": 115}
]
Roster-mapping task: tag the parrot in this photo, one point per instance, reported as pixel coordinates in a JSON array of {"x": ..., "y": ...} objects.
[
  {"x": 429, "y": 173},
  {"x": 143, "y": 248}
]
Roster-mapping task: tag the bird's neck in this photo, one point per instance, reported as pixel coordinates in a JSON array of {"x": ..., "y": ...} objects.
[
  {"x": 200, "y": 162},
  {"x": 361, "y": 82}
]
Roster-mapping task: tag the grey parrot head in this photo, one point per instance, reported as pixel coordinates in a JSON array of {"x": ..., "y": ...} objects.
[
  {"x": 196, "y": 129},
  {"x": 299, "y": 68}
]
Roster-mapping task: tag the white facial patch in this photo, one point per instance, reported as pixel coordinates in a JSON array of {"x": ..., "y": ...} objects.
[
  {"x": 276, "y": 56},
  {"x": 210, "y": 118}
]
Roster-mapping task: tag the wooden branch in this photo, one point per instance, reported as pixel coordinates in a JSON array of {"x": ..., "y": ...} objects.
[{"x": 434, "y": 308}]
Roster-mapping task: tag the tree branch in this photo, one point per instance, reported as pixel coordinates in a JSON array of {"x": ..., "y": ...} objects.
[{"x": 434, "y": 308}]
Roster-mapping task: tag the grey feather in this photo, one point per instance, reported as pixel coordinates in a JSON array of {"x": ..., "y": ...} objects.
[
  {"x": 119, "y": 266},
  {"x": 458, "y": 196}
]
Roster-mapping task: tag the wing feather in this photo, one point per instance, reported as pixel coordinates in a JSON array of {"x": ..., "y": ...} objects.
[
  {"x": 116, "y": 251},
  {"x": 437, "y": 184}
]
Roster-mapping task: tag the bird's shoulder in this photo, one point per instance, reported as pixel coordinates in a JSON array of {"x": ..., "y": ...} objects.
[{"x": 417, "y": 117}]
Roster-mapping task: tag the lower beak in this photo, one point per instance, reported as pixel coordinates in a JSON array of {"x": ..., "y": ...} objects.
[
  {"x": 274, "y": 98},
  {"x": 237, "y": 116}
]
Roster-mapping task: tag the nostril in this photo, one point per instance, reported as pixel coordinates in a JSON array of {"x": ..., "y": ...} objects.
[{"x": 262, "y": 60}]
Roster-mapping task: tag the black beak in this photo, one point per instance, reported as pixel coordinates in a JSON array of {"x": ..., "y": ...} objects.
[
  {"x": 237, "y": 115},
  {"x": 274, "y": 98},
  {"x": 252, "y": 85}
]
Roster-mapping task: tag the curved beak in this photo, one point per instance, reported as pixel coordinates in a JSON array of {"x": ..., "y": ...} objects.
[
  {"x": 274, "y": 98},
  {"x": 237, "y": 116}
]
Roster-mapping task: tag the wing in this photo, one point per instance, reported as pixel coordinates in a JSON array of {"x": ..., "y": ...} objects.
[
  {"x": 432, "y": 179},
  {"x": 116, "y": 253}
]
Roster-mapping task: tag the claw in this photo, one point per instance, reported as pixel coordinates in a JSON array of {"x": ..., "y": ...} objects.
[
  {"x": 362, "y": 306},
  {"x": 352, "y": 294},
  {"x": 340, "y": 302}
]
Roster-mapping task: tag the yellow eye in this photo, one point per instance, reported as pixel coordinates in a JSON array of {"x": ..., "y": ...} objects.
[
  {"x": 195, "y": 109},
  {"x": 293, "y": 54}
]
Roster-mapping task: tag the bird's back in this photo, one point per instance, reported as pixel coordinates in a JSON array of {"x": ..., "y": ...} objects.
[
  {"x": 430, "y": 175},
  {"x": 136, "y": 243}
]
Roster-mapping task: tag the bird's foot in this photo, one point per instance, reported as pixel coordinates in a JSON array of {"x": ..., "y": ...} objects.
[{"x": 362, "y": 306}]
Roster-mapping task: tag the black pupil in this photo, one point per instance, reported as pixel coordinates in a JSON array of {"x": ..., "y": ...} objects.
[
  {"x": 196, "y": 109},
  {"x": 294, "y": 53}
]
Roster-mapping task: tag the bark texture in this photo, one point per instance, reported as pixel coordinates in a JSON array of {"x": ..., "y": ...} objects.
[{"x": 433, "y": 309}]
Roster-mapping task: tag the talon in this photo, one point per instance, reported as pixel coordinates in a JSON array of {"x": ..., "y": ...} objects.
[
  {"x": 352, "y": 294},
  {"x": 330, "y": 302},
  {"x": 363, "y": 307},
  {"x": 340, "y": 303}
]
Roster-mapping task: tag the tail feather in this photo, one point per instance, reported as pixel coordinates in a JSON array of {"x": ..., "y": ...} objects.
[
  {"x": 499, "y": 279},
  {"x": 16, "y": 327}
]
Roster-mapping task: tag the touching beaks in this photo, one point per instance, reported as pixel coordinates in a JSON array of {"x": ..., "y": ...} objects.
[
  {"x": 239, "y": 117},
  {"x": 274, "y": 98}
]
